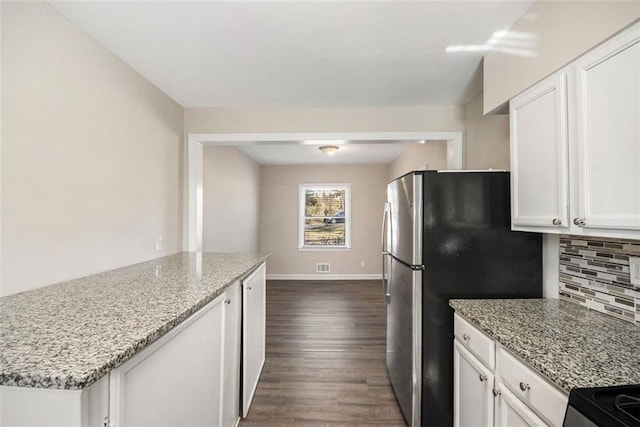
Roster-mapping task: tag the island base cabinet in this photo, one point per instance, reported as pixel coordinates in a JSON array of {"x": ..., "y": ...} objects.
[
  {"x": 511, "y": 412},
  {"x": 178, "y": 379},
  {"x": 231, "y": 361},
  {"x": 473, "y": 398},
  {"x": 24, "y": 406},
  {"x": 253, "y": 333}
]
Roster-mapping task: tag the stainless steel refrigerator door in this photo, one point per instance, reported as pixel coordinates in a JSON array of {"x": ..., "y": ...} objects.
[
  {"x": 404, "y": 197},
  {"x": 404, "y": 337}
]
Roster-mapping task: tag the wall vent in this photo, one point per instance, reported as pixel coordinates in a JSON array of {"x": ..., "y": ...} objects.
[{"x": 323, "y": 267}]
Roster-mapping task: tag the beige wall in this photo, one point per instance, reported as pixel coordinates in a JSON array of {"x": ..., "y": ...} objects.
[
  {"x": 91, "y": 155},
  {"x": 265, "y": 120},
  {"x": 561, "y": 31},
  {"x": 279, "y": 221},
  {"x": 486, "y": 138},
  {"x": 432, "y": 155},
  {"x": 231, "y": 186}
]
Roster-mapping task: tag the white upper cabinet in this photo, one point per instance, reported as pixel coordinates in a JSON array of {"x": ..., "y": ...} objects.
[
  {"x": 608, "y": 134},
  {"x": 539, "y": 168},
  {"x": 575, "y": 145}
]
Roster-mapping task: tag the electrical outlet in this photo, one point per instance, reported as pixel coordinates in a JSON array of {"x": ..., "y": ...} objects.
[
  {"x": 158, "y": 243},
  {"x": 634, "y": 270}
]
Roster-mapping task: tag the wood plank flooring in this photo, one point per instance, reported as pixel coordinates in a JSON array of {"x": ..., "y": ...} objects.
[{"x": 325, "y": 357}]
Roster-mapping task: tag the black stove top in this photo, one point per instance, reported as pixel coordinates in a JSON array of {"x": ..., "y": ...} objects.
[{"x": 608, "y": 406}]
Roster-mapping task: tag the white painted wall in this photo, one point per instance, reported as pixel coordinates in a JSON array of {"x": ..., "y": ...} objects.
[
  {"x": 231, "y": 188},
  {"x": 559, "y": 32},
  {"x": 279, "y": 218},
  {"x": 91, "y": 155},
  {"x": 304, "y": 120},
  {"x": 432, "y": 155},
  {"x": 486, "y": 138}
]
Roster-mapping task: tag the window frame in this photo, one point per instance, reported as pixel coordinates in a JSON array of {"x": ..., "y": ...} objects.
[{"x": 302, "y": 189}]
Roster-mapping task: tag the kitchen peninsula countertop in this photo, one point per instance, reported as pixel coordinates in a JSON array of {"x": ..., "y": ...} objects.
[
  {"x": 69, "y": 335},
  {"x": 569, "y": 344}
]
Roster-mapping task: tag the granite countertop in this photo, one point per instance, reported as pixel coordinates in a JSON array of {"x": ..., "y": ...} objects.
[
  {"x": 569, "y": 344},
  {"x": 69, "y": 335}
]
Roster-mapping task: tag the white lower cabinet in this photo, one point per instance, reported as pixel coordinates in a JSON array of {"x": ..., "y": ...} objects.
[
  {"x": 473, "y": 398},
  {"x": 253, "y": 333},
  {"x": 26, "y": 406},
  {"x": 506, "y": 394},
  {"x": 182, "y": 379},
  {"x": 231, "y": 358},
  {"x": 512, "y": 412}
]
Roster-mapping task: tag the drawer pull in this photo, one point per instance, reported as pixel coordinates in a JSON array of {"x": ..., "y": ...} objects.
[
  {"x": 227, "y": 301},
  {"x": 482, "y": 378},
  {"x": 466, "y": 337},
  {"x": 557, "y": 221},
  {"x": 524, "y": 387},
  {"x": 496, "y": 393}
]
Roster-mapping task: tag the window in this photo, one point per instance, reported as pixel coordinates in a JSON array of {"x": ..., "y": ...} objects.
[{"x": 325, "y": 217}]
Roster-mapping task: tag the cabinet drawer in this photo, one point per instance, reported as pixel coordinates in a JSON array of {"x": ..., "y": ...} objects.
[
  {"x": 475, "y": 341},
  {"x": 532, "y": 388}
]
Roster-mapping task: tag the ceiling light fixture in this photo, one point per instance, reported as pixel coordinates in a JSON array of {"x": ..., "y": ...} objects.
[{"x": 329, "y": 150}]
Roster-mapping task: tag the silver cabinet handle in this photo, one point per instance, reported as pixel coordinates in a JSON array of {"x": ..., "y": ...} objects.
[
  {"x": 496, "y": 393},
  {"x": 227, "y": 301},
  {"x": 466, "y": 337},
  {"x": 524, "y": 387},
  {"x": 557, "y": 221},
  {"x": 248, "y": 288},
  {"x": 482, "y": 378},
  {"x": 579, "y": 221}
]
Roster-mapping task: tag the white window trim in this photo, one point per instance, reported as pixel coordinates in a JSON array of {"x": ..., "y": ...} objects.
[{"x": 347, "y": 213}]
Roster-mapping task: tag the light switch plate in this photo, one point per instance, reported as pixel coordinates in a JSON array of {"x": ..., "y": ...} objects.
[{"x": 634, "y": 270}]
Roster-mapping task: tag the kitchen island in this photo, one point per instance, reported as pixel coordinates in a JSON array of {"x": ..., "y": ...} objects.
[{"x": 72, "y": 335}]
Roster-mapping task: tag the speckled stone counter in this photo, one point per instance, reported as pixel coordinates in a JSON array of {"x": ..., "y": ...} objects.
[
  {"x": 70, "y": 334},
  {"x": 571, "y": 345}
]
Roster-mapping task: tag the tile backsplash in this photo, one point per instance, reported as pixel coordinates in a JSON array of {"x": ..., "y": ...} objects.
[{"x": 594, "y": 272}]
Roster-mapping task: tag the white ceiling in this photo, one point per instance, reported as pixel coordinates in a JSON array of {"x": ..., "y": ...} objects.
[
  {"x": 361, "y": 152},
  {"x": 300, "y": 53}
]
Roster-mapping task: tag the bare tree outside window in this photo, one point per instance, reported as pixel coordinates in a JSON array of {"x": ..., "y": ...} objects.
[{"x": 325, "y": 215}]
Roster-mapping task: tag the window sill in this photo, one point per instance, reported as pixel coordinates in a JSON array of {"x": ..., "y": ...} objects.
[{"x": 323, "y": 249}]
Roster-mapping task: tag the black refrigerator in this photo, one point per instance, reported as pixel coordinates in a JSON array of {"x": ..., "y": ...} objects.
[{"x": 446, "y": 234}]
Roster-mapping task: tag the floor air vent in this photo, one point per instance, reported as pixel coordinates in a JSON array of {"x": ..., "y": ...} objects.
[{"x": 323, "y": 267}]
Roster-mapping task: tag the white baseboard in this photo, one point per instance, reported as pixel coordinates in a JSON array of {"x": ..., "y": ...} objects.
[{"x": 324, "y": 276}]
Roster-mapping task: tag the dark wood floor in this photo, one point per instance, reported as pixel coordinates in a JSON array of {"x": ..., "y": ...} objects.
[{"x": 325, "y": 363}]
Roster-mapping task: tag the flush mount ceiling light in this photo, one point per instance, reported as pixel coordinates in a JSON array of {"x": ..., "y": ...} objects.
[{"x": 329, "y": 150}]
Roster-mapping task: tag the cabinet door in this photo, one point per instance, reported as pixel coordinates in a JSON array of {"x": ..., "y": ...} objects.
[
  {"x": 473, "y": 385},
  {"x": 608, "y": 134},
  {"x": 253, "y": 334},
  {"x": 539, "y": 168},
  {"x": 511, "y": 412},
  {"x": 177, "y": 379},
  {"x": 231, "y": 362}
]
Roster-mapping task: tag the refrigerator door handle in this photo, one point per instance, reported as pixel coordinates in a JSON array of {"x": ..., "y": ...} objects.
[{"x": 383, "y": 243}]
